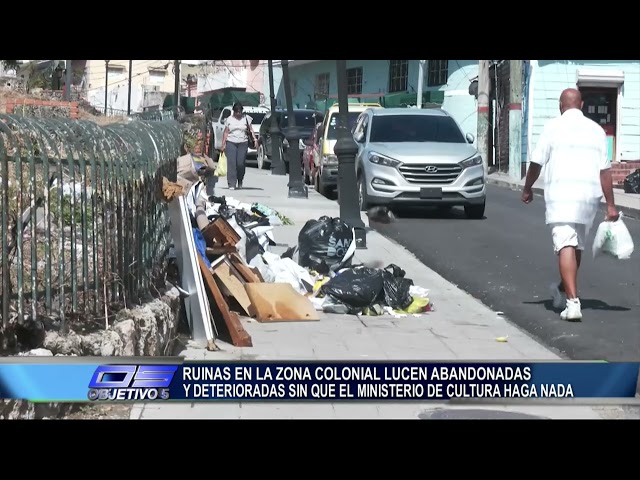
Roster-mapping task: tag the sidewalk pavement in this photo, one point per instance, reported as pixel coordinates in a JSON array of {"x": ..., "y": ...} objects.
[
  {"x": 460, "y": 328},
  {"x": 628, "y": 203}
]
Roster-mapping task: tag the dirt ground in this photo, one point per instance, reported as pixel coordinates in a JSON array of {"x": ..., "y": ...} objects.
[{"x": 102, "y": 412}]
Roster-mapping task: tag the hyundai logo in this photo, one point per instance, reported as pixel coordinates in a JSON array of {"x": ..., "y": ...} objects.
[{"x": 431, "y": 169}]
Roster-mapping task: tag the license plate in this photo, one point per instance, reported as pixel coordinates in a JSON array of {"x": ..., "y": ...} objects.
[{"x": 431, "y": 193}]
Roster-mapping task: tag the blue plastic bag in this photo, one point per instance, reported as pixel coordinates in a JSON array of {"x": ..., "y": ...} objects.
[{"x": 201, "y": 244}]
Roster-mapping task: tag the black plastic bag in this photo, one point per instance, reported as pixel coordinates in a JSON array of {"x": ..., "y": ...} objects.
[
  {"x": 252, "y": 245},
  {"x": 632, "y": 182},
  {"x": 355, "y": 287},
  {"x": 323, "y": 243},
  {"x": 396, "y": 288}
]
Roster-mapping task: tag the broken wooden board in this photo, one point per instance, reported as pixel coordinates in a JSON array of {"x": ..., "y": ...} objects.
[
  {"x": 225, "y": 273},
  {"x": 247, "y": 273},
  {"x": 220, "y": 233},
  {"x": 221, "y": 250},
  {"x": 279, "y": 302},
  {"x": 239, "y": 336}
]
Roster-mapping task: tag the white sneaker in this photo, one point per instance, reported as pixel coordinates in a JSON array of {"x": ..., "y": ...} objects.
[
  {"x": 559, "y": 298},
  {"x": 573, "y": 311}
]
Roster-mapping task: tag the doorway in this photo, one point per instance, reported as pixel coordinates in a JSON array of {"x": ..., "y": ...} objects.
[{"x": 601, "y": 106}]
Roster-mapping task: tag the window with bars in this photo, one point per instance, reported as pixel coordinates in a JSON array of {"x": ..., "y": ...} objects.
[
  {"x": 322, "y": 86},
  {"x": 398, "y": 75},
  {"x": 438, "y": 73},
  {"x": 354, "y": 80}
]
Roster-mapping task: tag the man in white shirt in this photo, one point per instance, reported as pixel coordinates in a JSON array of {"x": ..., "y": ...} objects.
[{"x": 573, "y": 150}]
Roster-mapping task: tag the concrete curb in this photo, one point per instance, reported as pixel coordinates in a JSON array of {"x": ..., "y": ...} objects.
[{"x": 626, "y": 211}]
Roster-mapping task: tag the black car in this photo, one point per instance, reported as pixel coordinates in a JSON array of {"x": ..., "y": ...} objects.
[{"x": 306, "y": 120}]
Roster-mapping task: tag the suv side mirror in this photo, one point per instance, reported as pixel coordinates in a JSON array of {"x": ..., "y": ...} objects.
[
  {"x": 470, "y": 138},
  {"x": 359, "y": 137}
]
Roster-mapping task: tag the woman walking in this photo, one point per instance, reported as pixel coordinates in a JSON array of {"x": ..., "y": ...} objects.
[{"x": 235, "y": 143}]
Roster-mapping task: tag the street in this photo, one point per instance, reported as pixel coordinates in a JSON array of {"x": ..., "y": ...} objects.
[{"x": 507, "y": 262}]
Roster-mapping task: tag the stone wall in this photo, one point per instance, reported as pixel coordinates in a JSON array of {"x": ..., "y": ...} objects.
[
  {"x": 147, "y": 330},
  {"x": 34, "y": 107}
]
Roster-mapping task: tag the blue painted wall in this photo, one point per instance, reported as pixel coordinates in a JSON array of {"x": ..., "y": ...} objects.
[
  {"x": 375, "y": 79},
  {"x": 550, "y": 77}
]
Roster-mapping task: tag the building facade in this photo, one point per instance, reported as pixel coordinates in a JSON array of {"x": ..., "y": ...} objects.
[
  {"x": 610, "y": 91},
  {"x": 249, "y": 74},
  {"x": 151, "y": 82},
  {"x": 312, "y": 79}
]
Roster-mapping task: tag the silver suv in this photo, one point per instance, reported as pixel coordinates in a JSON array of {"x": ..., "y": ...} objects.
[{"x": 417, "y": 157}]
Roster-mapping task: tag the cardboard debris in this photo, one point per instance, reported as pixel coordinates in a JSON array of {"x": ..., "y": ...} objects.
[
  {"x": 279, "y": 302},
  {"x": 228, "y": 284},
  {"x": 239, "y": 336},
  {"x": 233, "y": 285},
  {"x": 171, "y": 190}
]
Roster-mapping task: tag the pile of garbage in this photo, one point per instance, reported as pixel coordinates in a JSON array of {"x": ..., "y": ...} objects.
[
  {"x": 230, "y": 264},
  {"x": 325, "y": 250}
]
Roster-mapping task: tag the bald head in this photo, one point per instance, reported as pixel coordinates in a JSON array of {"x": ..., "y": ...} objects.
[{"x": 570, "y": 98}]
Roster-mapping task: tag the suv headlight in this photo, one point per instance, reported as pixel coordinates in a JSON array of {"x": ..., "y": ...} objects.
[
  {"x": 471, "y": 162},
  {"x": 329, "y": 160},
  {"x": 382, "y": 160}
]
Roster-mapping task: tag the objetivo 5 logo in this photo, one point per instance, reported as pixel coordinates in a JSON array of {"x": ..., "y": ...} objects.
[{"x": 131, "y": 382}]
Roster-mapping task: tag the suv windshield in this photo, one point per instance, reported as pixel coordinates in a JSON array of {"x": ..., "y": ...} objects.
[
  {"x": 257, "y": 117},
  {"x": 303, "y": 119},
  {"x": 415, "y": 128},
  {"x": 332, "y": 131}
]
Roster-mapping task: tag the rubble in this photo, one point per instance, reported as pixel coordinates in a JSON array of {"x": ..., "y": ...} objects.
[{"x": 222, "y": 248}]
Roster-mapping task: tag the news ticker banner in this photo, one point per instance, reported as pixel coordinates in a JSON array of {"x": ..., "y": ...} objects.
[{"x": 144, "y": 381}]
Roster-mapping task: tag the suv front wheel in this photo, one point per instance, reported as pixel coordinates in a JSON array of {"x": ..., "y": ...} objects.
[
  {"x": 475, "y": 212},
  {"x": 363, "y": 199},
  {"x": 261, "y": 158}
]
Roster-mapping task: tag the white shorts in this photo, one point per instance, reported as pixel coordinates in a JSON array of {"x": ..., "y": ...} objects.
[{"x": 568, "y": 235}]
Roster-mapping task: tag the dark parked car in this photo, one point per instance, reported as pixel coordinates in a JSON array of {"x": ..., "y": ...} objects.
[{"x": 306, "y": 121}]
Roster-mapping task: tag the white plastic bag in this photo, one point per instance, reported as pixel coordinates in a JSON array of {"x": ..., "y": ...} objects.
[{"x": 614, "y": 239}]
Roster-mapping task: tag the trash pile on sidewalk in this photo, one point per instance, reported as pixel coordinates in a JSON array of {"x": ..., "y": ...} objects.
[
  {"x": 222, "y": 246},
  {"x": 326, "y": 248},
  {"x": 223, "y": 249}
]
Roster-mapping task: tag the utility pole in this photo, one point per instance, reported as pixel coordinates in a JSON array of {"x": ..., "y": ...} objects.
[
  {"x": 68, "y": 80},
  {"x": 515, "y": 119},
  {"x": 420, "y": 82},
  {"x": 129, "y": 88},
  {"x": 106, "y": 85},
  {"x": 277, "y": 163},
  {"x": 346, "y": 150},
  {"x": 176, "y": 93},
  {"x": 484, "y": 93},
  {"x": 297, "y": 188}
]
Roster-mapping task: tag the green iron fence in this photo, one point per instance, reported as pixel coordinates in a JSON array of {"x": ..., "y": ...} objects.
[{"x": 83, "y": 231}]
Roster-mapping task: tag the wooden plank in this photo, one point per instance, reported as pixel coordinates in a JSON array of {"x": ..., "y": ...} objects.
[
  {"x": 219, "y": 232},
  {"x": 224, "y": 273},
  {"x": 245, "y": 271},
  {"x": 239, "y": 336},
  {"x": 221, "y": 250},
  {"x": 279, "y": 302}
]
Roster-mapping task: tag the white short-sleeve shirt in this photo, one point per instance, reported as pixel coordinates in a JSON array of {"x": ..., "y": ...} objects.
[
  {"x": 573, "y": 151},
  {"x": 238, "y": 128}
]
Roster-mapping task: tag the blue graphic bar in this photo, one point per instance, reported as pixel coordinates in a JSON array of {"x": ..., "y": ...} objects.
[{"x": 318, "y": 381}]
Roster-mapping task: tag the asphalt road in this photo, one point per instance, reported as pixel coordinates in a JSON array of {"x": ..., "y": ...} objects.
[{"x": 506, "y": 260}]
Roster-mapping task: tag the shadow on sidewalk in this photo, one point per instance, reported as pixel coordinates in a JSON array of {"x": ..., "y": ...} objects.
[
  {"x": 433, "y": 213},
  {"x": 587, "y": 304}
]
